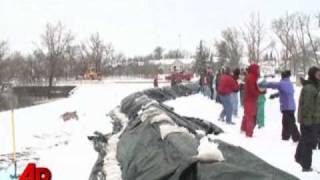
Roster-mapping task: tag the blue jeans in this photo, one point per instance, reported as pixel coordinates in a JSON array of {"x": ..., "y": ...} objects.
[
  {"x": 227, "y": 107},
  {"x": 206, "y": 91},
  {"x": 235, "y": 101}
]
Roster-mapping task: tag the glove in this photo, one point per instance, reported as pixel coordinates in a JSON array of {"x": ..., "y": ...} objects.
[{"x": 272, "y": 96}]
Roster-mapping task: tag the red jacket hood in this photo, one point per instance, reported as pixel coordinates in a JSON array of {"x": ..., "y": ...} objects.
[{"x": 254, "y": 70}]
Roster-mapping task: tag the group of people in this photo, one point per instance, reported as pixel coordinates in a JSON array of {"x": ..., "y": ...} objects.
[
  {"x": 206, "y": 83},
  {"x": 253, "y": 90}
]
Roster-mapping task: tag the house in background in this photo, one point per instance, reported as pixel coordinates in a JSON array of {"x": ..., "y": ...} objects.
[{"x": 166, "y": 65}]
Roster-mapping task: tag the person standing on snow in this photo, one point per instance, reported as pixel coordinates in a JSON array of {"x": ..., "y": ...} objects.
[
  {"x": 226, "y": 86},
  {"x": 218, "y": 75},
  {"x": 210, "y": 82},
  {"x": 174, "y": 77},
  {"x": 203, "y": 82},
  {"x": 260, "y": 104},
  {"x": 309, "y": 118},
  {"x": 251, "y": 93},
  {"x": 235, "y": 94},
  {"x": 287, "y": 106},
  {"x": 242, "y": 78},
  {"x": 155, "y": 81}
]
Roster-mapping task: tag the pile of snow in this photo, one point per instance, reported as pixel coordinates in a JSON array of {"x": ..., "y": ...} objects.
[
  {"x": 208, "y": 151},
  {"x": 111, "y": 165}
]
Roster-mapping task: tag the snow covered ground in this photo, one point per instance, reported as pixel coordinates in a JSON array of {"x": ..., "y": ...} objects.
[
  {"x": 266, "y": 142},
  {"x": 43, "y": 137}
]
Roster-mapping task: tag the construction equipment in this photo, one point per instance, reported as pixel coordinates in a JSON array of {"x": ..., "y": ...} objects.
[{"x": 91, "y": 74}]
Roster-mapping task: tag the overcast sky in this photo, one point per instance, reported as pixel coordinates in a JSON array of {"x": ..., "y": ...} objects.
[{"x": 135, "y": 27}]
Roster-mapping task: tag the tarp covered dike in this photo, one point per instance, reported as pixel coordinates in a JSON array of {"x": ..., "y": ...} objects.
[{"x": 159, "y": 144}]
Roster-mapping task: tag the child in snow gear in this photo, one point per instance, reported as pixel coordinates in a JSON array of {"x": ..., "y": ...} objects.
[
  {"x": 260, "y": 105},
  {"x": 227, "y": 85},
  {"x": 309, "y": 118},
  {"x": 251, "y": 93},
  {"x": 287, "y": 106}
]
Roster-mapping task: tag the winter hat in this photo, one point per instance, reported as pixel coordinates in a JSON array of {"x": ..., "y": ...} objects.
[
  {"x": 236, "y": 73},
  {"x": 312, "y": 73},
  {"x": 285, "y": 74}
]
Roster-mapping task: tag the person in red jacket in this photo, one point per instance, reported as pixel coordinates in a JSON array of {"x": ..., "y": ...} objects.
[
  {"x": 251, "y": 93},
  {"x": 226, "y": 87}
]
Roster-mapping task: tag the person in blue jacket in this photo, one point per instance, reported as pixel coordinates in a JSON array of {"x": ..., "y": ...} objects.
[{"x": 287, "y": 105}]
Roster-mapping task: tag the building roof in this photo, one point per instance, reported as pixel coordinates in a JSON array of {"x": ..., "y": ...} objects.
[{"x": 172, "y": 61}]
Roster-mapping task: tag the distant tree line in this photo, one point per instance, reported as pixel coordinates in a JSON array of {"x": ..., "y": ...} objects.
[
  {"x": 58, "y": 54},
  {"x": 293, "y": 44}
]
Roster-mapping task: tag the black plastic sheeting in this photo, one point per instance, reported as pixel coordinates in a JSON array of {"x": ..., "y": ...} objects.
[{"x": 143, "y": 155}]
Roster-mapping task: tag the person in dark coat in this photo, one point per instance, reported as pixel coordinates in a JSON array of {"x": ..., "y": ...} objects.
[
  {"x": 251, "y": 93},
  {"x": 210, "y": 82},
  {"x": 309, "y": 118},
  {"x": 174, "y": 76},
  {"x": 220, "y": 72},
  {"x": 287, "y": 105},
  {"x": 242, "y": 78},
  {"x": 155, "y": 81}
]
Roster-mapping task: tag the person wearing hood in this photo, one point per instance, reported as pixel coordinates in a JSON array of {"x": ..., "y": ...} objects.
[
  {"x": 309, "y": 118},
  {"x": 227, "y": 85},
  {"x": 251, "y": 93},
  {"x": 287, "y": 105}
]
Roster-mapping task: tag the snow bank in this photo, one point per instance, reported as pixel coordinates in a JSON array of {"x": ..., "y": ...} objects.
[{"x": 266, "y": 142}]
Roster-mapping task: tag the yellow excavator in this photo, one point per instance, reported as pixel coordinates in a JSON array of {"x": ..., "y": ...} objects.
[{"x": 91, "y": 74}]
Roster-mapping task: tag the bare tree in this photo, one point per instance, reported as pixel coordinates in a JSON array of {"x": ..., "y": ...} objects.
[
  {"x": 318, "y": 18},
  {"x": 3, "y": 49},
  {"x": 284, "y": 29},
  {"x": 55, "y": 40},
  {"x": 3, "y": 52},
  {"x": 234, "y": 48},
  {"x": 314, "y": 43},
  {"x": 96, "y": 52},
  {"x": 253, "y": 35},
  {"x": 300, "y": 45},
  {"x": 174, "y": 54},
  {"x": 72, "y": 63},
  {"x": 222, "y": 53},
  {"x": 158, "y": 52},
  {"x": 202, "y": 57}
]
